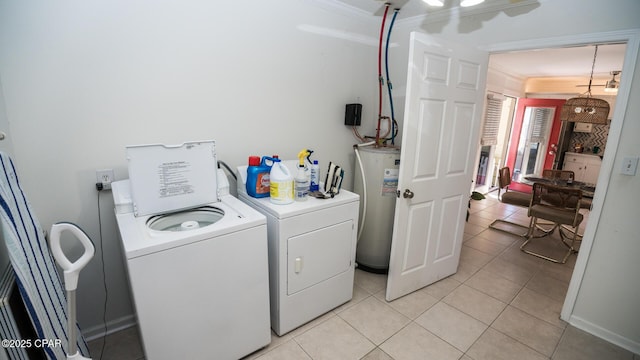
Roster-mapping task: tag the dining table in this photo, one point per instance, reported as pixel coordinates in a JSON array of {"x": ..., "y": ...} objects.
[{"x": 587, "y": 189}]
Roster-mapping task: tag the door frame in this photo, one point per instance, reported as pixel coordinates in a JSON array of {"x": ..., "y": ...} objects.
[
  {"x": 516, "y": 130},
  {"x": 632, "y": 39}
]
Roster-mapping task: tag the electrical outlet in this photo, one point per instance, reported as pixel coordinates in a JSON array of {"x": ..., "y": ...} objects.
[{"x": 105, "y": 177}]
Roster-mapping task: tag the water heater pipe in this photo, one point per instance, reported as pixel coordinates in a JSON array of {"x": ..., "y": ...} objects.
[
  {"x": 380, "y": 78},
  {"x": 389, "y": 86}
]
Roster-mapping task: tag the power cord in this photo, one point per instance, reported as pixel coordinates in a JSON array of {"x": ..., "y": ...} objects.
[{"x": 99, "y": 187}]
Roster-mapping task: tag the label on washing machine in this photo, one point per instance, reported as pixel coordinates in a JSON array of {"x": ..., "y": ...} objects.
[
  {"x": 168, "y": 178},
  {"x": 174, "y": 178}
]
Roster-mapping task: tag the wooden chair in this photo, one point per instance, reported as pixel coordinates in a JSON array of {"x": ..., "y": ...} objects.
[
  {"x": 512, "y": 198},
  {"x": 560, "y": 205},
  {"x": 566, "y": 175}
]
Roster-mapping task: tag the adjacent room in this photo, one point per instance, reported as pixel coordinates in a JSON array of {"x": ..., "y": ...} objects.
[{"x": 319, "y": 179}]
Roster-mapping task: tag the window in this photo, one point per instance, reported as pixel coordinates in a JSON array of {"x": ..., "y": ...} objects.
[{"x": 492, "y": 120}]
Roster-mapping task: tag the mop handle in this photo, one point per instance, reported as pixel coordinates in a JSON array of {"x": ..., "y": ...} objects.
[
  {"x": 71, "y": 269},
  {"x": 71, "y": 323},
  {"x": 71, "y": 274}
]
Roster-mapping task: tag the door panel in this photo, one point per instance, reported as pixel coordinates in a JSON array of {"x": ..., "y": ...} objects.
[
  {"x": 461, "y": 137},
  {"x": 419, "y": 221},
  {"x": 428, "y": 143},
  {"x": 450, "y": 210},
  {"x": 318, "y": 255},
  {"x": 444, "y": 103}
]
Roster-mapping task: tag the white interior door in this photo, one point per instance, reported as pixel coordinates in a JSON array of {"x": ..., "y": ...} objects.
[{"x": 443, "y": 112}]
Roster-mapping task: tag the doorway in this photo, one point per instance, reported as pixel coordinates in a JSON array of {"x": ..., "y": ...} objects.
[
  {"x": 632, "y": 40},
  {"x": 407, "y": 269}
]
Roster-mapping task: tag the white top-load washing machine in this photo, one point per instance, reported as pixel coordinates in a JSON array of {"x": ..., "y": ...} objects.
[
  {"x": 196, "y": 257},
  {"x": 312, "y": 248}
]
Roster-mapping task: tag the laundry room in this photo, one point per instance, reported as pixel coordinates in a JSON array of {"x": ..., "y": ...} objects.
[
  {"x": 82, "y": 82},
  {"x": 105, "y": 76}
]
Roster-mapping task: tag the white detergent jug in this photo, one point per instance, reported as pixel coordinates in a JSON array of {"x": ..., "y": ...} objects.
[{"x": 281, "y": 187}]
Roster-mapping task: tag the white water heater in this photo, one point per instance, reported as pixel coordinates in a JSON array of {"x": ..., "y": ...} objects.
[{"x": 381, "y": 167}]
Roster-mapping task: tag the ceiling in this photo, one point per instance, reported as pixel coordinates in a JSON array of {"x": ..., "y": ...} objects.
[{"x": 559, "y": 62}]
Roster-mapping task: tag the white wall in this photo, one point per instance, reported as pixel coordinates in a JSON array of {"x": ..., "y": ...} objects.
[
  {"x": 608, "y": 299},
  {"x": 84, "y": 79},
  {"x": 6, "y": 146}
]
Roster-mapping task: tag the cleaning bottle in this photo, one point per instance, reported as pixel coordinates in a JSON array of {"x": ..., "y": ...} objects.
[
  {"x": 281, "y": 183},
  {"x": 258, "y": 177},
  {"x": 315, "y": 176},
  {"x": 301, "y": 179}
]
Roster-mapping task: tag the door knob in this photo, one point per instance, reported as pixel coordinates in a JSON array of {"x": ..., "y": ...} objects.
[{"x": 408, "y": 194}]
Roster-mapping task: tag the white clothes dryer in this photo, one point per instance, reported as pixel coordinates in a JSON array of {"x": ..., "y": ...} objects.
[
  {"x": 196, "y": 257},
  {"x": 312, "y": 248}
]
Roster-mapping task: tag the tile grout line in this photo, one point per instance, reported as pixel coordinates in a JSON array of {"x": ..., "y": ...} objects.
[
  {"x": 507, "y": 335},
  {"x": 490, "y": 326}
]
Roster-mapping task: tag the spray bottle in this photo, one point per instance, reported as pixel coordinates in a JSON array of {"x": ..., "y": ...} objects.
[
  {"x": 301, "y": 180},
  {"x": 315, "y": 176}
]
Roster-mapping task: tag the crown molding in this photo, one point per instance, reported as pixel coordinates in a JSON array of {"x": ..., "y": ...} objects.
[{"x": 345, "y": 9}]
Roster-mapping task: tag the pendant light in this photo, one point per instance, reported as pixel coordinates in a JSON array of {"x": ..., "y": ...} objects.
[
  {"x": 612, "y": 85},
  {"x": 585, "y": 108}
]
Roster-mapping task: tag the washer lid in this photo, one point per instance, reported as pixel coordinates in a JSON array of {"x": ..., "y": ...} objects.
[{"x": 167, "y": 178}]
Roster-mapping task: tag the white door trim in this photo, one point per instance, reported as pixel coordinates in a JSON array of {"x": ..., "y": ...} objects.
[{"x": 632, "y": 38}]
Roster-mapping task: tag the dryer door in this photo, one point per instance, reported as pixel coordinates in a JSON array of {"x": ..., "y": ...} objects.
[{"x": 318, "y": 255}]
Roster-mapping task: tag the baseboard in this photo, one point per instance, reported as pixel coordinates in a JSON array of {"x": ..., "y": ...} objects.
[
  {"x": 113, "y": 326},
  {"x": 605, "y": 334}
]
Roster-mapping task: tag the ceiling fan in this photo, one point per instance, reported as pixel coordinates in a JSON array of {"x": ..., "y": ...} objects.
[
  {"x": 463, "y": 3},
  {"x": 393, "y": 4},
  {"x": 398, "y": 4},
  {"x": 611, "y": 85}
]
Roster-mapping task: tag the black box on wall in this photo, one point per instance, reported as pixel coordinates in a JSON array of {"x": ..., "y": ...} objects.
[{"x": 352, "y": 114}]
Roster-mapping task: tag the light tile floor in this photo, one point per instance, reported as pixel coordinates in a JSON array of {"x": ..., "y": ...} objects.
[{"x": 501, "y": 304}]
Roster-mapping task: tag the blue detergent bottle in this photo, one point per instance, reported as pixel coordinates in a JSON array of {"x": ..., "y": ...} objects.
[{"x": 258, "y": 178}]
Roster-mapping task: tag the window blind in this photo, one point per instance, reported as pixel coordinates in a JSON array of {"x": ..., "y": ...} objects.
[
  {"x": 540, "y": 119},
  {"x": 491, "y": 121}
]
